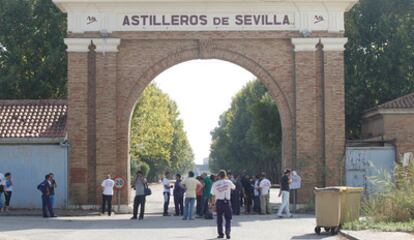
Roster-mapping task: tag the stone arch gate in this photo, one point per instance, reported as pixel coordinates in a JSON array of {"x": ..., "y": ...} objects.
[{"x": 117, "y": 47}]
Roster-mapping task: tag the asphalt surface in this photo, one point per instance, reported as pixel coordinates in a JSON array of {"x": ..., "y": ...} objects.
[{"x": 157, "y": 227}]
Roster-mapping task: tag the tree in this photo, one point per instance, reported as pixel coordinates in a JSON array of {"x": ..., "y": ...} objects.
[
  {"x": 33, "y": 60},
  {"x": 158, "y": 140},
  {"x": 249, "y": 134},
  {"x": 379, "y": 56}
]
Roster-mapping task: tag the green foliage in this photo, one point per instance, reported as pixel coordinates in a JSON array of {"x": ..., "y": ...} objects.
[
  {"x": 379, "y": 56},
  {"x": 158, "y": 140},
  {"x": 249, "y": 134},
  {"x": 396, "y": 202},
  {"x": 393, "y": 208},
  {"x": 33, "y": 60},
  {"x": 380, "y": 226}
]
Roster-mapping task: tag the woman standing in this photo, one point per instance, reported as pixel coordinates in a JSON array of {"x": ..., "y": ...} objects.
[
  {"x": 8, "y": 191},
  {"x": 222, "y": 191}
]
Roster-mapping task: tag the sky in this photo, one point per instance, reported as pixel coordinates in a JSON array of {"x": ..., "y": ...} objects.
[{"x": 203, "y": 90}]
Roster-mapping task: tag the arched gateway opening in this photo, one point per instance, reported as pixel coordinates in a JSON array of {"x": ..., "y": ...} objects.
[{"x": 294, "y": 48}]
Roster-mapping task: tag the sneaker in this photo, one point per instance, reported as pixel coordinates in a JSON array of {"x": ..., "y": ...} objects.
[
  {"x": 133, "y": 218},
  {"x": 279, "y": 216},
  {"x": 291, "y": 216},
  {"x": 228, "y": 236},
  {"x": 220, "y": 236},
  {"x": 166, "y": 215},
  {"x": 141, "y": 218}
]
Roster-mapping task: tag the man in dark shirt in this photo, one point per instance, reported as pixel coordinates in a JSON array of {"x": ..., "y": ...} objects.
[
  {"x": 178, "y": 193},
  {"x": 284, "y": 193},
  {"x": 46, "y": 187},
  {"x": 247, "y": 193}
]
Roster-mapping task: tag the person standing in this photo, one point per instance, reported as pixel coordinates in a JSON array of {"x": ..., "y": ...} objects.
[
  {"x": 8, "y": 190},
  {"x": 264, "y": 187},
  {"x": 45, "y": 188},
  {"x": 140, "y": 198},
  {"x": 206, "y": 193},
  {"x": 52, "y": 190},
  {"x": 256, "y": 194},
  {"x": 247, "y": 193},
  {"x": 108, "y": 192},
  {"x": 166, "y": 193},
  {"x": 199, "y": 193},
  {"x": 191, "y": 185},
  {"x": 178, "y": 193},
  {"x": 235, "y": 196},
  {"x": 221, "y": 189},
  {"x": 2, "y": 188},
  {"x": 284, "y": 193}
]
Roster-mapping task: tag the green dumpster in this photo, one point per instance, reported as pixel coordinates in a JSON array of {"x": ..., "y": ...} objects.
[{"x": 334, "y": 206}]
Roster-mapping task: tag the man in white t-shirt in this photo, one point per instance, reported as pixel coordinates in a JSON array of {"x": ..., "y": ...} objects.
[
  {"x": 264, "y": 187},
  {"x": 167, "y": 192},
  {"x": 108, "y": 192},
  {"x": 221, "y": 189}
]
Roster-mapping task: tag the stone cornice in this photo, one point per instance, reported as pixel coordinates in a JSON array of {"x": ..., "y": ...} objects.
[
  {"x": 305, "y": 44},
  {"x": 334, "y": 44},
  {"x": 102, "y": 44},
  {"x": 77, "y": 44}
]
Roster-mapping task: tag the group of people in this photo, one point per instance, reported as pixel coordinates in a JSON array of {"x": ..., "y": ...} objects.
[
  {"x": 225, "y": 194},
  {"x": 6, "y": 189}
]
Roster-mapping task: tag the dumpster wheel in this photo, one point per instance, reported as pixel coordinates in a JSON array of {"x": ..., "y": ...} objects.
[
  {"x": 318, "y": 230},
  {"x": 334, "y": 230},
  {"x": 327, "y": 229}
]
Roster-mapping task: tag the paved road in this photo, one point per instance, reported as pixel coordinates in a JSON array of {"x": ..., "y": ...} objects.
[{"x": 156, "y": 227}]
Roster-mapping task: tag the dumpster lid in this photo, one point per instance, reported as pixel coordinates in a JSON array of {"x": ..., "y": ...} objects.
[{"x": 339, "y": 189}]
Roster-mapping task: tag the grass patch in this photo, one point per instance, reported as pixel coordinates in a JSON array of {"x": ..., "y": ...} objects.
[
  {"x": 380, "y": 226},
  {"x": 391, "y": 210}
]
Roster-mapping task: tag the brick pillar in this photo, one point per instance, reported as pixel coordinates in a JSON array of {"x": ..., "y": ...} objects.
[
  {"x": 106, "y": 112},
  {"x": 77, "y": 123},
  {"x": 334, "y": 109},
  {"x": 308, "y": 159}
]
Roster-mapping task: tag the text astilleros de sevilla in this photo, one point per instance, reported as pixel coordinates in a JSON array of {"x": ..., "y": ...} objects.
[{"x": 203, "y": 20}]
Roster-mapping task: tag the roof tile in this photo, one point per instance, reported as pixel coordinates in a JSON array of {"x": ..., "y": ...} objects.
[{"x": 32, "y": 118}]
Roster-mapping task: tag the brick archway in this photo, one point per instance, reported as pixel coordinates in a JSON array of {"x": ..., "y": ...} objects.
[
  {"x": 280, "y": 98},
  {"x": 300, "y": 61}
]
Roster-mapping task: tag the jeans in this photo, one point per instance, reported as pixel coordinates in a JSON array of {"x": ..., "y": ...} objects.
[
  {"x": 199, "y": 207},
  {"x": 256, "y": 204},
  {"x": 107, "y": 200},
  {"x": 1, "y": 200},
  {"x": 188, "y": 208},
  {"x": 52, "y": 200},
  {"x": 179, "y": 205},
  {"x": 248, "y": 203},
  {"x": 139, "y": 200},
  {"x": 235, "y": 203},
  {"x": 205, "y": 205},
  {"x": 166, "y": 202},
  {"x": 47, "y": 207},
  {"x": 8, "y": 196},
  {"x": 285, "y": 204},
  {"x": 223, "y": 209}
]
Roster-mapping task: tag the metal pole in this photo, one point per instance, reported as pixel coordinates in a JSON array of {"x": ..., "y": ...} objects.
[{"x": 119, "y": 201}]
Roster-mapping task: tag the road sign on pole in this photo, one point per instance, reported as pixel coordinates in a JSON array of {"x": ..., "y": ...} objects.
[{"x": 120, "y": 183}]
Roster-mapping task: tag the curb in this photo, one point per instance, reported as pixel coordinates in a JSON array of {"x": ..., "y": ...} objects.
[{"x": 349, "y": 236}]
